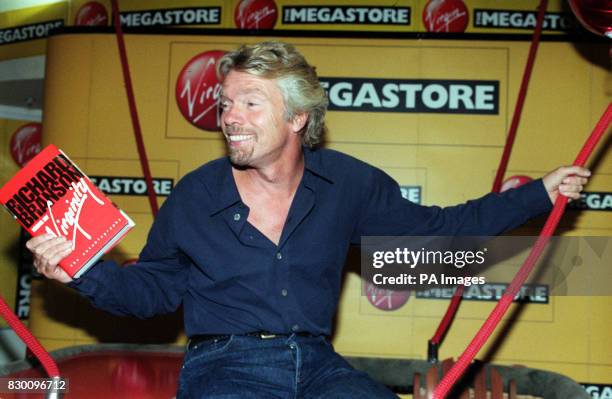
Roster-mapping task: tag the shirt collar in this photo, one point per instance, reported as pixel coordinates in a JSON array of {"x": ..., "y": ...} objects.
[
  {"x": 225, "y": 193},
  {"x": 314, "y": 164}
]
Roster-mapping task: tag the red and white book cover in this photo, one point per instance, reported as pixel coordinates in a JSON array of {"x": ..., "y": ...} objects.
[{"x": 51, "y": 195}]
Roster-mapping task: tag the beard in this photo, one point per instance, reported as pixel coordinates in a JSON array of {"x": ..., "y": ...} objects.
[{"x": 239, "y": 156}]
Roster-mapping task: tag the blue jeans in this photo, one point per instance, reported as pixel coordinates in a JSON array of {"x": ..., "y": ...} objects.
[{"x": 244, "y": 367}]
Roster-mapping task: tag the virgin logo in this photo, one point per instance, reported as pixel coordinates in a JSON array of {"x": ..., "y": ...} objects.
[
  {"x": 514, "y": 182},
  {"x": 384, "y": 299},
  {"x": 69, "y": 223},
  {"x": 91, "y": 14},
  {"x": 197, "y": 91},
  {"x": 445, "y": 16},
  {"x": 256, "y": 14},
  {"x": 25, "y": 143}
]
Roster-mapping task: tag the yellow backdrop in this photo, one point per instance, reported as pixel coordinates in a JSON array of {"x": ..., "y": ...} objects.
[{"x": 451, "y": 156}]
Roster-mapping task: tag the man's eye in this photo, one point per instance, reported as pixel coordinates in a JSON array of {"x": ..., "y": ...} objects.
[{"x": 251, "y": 104}]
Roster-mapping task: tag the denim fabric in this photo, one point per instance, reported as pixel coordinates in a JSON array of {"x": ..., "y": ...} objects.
[{"x": 243, "y": 367}]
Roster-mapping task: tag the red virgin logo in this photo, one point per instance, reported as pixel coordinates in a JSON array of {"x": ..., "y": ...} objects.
[
  {"x": 91, "y": 14},
  {"x": 385, "y": 299},
  {"x": 445, "y": 16},
  {"x": 256, "y": 14},
  {"x": 197, "y": 91},
  {"x": 25, "y": 143}
]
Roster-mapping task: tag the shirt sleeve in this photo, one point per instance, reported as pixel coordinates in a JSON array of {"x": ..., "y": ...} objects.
[
  {"x": 385, "y": 212},
  {"x": 154, "y": 285}
]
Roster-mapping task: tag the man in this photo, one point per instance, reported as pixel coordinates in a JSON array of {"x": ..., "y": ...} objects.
[{"x": 253, "y": 245}]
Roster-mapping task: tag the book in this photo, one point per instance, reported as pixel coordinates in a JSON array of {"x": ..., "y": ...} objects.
[{"x": 50, "y": 194}]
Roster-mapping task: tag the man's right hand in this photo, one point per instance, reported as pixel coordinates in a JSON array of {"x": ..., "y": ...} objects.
[{"x": 48, "y": 252}]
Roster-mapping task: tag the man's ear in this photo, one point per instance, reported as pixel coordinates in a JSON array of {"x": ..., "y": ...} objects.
[{"x": 298, "y": 122}]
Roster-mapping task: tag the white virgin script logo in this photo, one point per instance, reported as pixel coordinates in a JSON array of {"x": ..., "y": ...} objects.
[
  {"x": 206, "y": 93},
  {"x": 72, "y": 215},
  {"x": 449, "y": 17},
  {"x": 97, "y": 20},
  {"x": 254, "y": 18}
]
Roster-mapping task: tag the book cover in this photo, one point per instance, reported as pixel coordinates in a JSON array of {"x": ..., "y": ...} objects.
[{"x": 52, "y": 195}]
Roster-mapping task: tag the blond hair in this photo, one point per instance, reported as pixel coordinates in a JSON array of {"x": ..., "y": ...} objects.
[{"x": 296, "y": 79}]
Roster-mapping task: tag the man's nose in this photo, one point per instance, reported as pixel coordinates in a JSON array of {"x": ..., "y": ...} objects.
[{"x": 231, "y": 115}]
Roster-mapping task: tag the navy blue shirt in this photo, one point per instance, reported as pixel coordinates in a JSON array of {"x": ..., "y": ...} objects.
[{"x": 203, "y": 253}]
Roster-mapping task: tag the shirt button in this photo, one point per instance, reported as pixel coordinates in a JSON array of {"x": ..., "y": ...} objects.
[
  {"x": 236, "y": 216},
  {"x": 279, "y": 256},
  {"x": 284, "y": 292},
  {"x": 295, "y": 328}
]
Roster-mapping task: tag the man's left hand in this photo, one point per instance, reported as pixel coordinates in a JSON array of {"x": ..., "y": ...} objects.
[{"x": 567, "y": 181}]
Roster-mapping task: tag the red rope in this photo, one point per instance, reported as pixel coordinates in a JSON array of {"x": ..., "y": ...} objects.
[
  {"x": 26, "y": 336},
  {"x": 144, "y": 162},
  {"x": 503, "y": 163},
  {"x": 506, "y": 300},
  {"x": 520, "y": 101}
]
